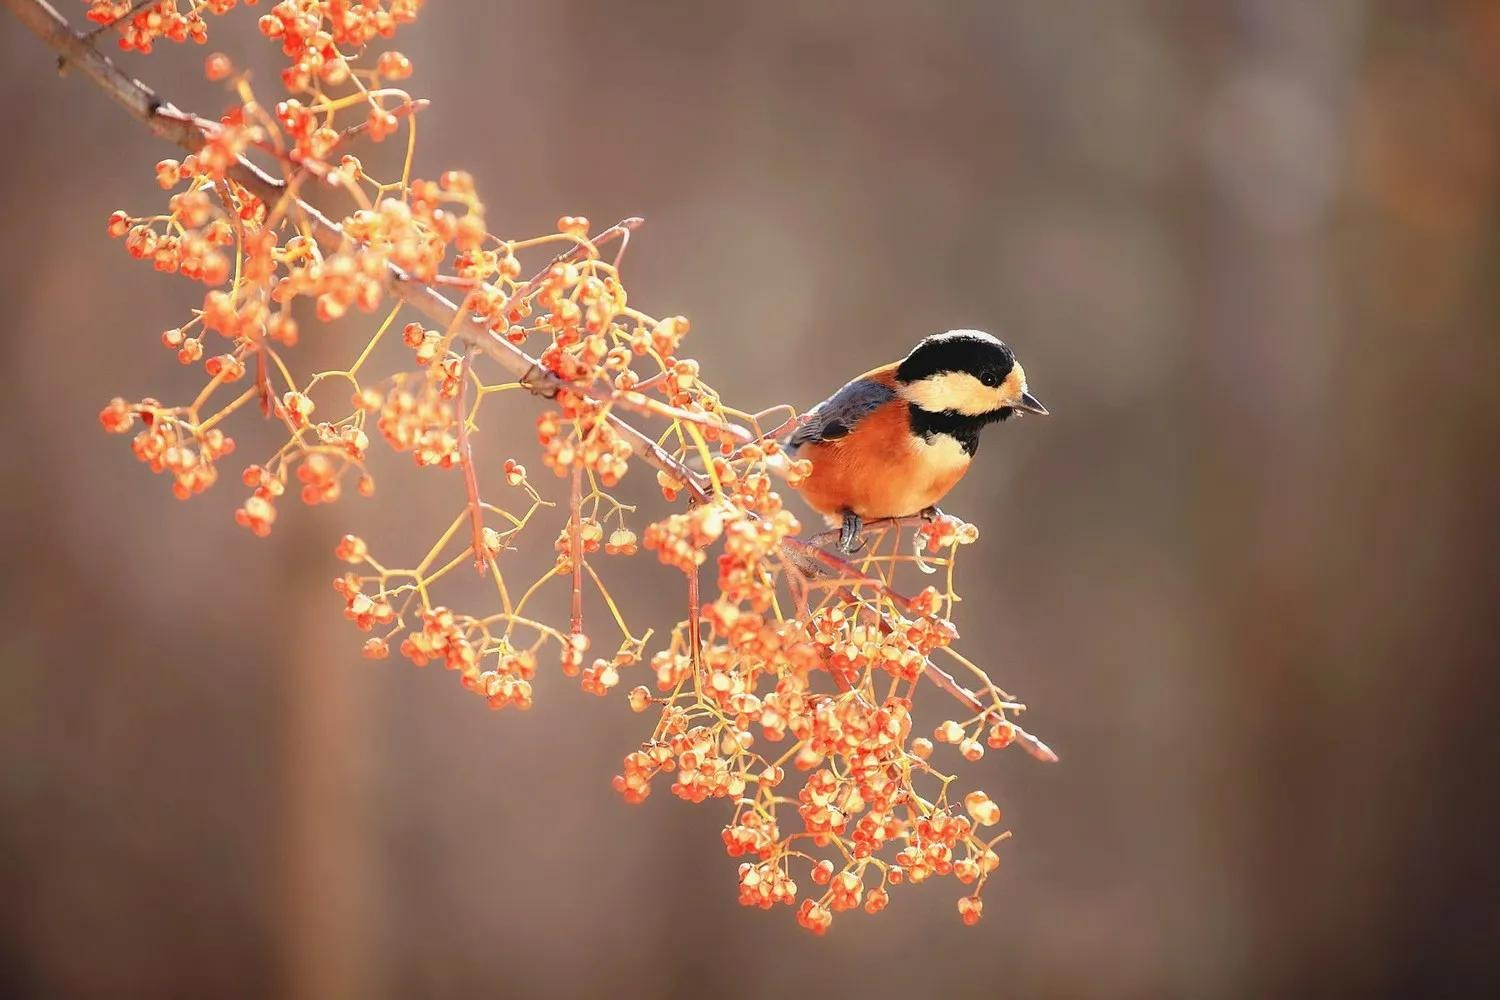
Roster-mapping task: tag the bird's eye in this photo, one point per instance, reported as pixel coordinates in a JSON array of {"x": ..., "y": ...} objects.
[{"x": 990, "y": 379}]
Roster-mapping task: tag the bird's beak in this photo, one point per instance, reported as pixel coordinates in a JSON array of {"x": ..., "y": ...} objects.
[{"x": 1031, "y": 404}]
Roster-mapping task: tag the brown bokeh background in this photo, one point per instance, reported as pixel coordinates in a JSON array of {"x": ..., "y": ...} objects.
[{"x": 1247, "y": 252}]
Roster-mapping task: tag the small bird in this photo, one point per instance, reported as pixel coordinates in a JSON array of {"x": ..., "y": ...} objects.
[{"x": 894, "y": 441}]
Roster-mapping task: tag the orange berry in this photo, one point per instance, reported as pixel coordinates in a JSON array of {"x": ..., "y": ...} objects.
[
  {"x": 351, "y": 549},
  {"x": 1002, "y": 735},
  {"x": 168, "y": 173},
  {"x": 984, "y": 811},
  {"x": 969, "y": 909},
  {"x": 393, "y": 66},
  {"x": 217, "y": 66}
]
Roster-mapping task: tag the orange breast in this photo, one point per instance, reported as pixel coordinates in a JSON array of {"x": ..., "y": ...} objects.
[{"x": 880, "y": 470}]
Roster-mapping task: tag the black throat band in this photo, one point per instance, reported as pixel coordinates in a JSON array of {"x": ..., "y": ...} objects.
[{"x": 962, "y": 428}]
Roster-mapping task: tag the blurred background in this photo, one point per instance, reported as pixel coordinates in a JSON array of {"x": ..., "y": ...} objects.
[{"x": 1243, "y": 575}]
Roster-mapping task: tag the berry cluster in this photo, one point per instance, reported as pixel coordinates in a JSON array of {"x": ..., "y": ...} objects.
[
  {"x": 828, "y": 693},
  {"x": 185, "y": 448},
  {"x": 314, "y": 34},
  {"x": 140, "y": 25}
]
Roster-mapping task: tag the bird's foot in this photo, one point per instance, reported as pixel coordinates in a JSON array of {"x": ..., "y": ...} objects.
[
  {"x": 931, "y": 513},
  {"x": 851, "y": 534}
]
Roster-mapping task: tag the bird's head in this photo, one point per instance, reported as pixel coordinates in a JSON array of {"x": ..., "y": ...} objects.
[{"x": 967, "y": 373}]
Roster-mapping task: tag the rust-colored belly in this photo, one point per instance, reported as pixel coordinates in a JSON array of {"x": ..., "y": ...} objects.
[{"x": 881, "y": 470}]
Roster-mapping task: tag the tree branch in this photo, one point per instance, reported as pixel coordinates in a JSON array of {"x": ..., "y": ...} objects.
[{"x": 192, "y": 133}]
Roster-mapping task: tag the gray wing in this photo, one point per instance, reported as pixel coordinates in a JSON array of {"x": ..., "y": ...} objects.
[{"x": 837, "y": 415}]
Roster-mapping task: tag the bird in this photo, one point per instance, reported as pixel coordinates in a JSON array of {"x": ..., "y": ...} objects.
[{"x": 893, "y": 442}]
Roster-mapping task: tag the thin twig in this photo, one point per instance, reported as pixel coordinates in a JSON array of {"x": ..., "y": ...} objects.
[
  {"x": 695, "y": 633},
  {"x": 262, "y": 375},
  {"x": 466, "y": 462},
  {"x": 400, "y": 111},
  {"x": 575, "y": 544},
  {"x": 946, "y": 682}
]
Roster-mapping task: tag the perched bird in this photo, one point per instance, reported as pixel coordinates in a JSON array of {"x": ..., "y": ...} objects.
[{"x": 894, "y": 441}]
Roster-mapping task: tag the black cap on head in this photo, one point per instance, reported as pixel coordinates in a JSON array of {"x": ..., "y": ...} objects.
[{"x": 971, "y": 351}]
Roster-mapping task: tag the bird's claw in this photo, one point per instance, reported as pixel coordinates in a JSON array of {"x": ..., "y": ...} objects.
[
  {"x": 851, "y": 536},
  {"x": 537, "y": 381}
]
